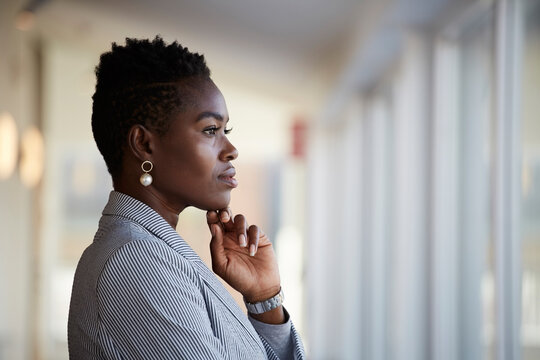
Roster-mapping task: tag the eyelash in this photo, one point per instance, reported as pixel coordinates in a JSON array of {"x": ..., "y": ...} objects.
[{"x": 213, "y": 129}]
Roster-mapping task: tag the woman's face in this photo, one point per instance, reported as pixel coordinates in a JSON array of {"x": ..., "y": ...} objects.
[{"x": 192, "y": 161}]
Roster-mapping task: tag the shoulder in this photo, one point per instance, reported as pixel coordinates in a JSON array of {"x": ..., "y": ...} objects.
[
  {"x": 145, "y": 254},
  {"x": 128, "y": 245},
  {"x": 122, "y": 249},
  {"x": 146, "y": 273}
]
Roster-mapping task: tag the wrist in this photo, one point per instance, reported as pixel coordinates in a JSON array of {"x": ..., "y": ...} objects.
[
  {"x": 276, "y": 316},
  {"x": 264, "y": 295}
]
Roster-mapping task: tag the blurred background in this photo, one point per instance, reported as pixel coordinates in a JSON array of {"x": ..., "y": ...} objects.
[{"x": 391, "y": 149}]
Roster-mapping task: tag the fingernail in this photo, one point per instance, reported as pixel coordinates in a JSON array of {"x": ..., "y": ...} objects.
[
  {"x": 213, "y": 229},
  {"x": 224, "y": 216},
  {"x": 252, "y": 250},
  {"x": 242, "y": 239}
]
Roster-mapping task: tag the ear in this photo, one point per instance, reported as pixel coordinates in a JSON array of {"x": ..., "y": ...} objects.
[{"x": 141, "y": 142}]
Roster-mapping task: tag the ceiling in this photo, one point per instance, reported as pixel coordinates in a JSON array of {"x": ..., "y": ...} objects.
[{"x": 286, "y": 47}]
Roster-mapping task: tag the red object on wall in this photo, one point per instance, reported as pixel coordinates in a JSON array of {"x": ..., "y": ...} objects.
[{"x": 299, "y": 138}]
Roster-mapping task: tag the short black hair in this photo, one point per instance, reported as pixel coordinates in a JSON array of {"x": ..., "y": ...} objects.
[{"x": 137, "y": 83}]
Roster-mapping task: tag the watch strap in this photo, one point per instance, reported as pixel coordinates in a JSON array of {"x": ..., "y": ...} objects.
[{"x": 265, "y": 305}]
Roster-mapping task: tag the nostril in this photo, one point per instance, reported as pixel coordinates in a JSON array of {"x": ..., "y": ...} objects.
[
  {"x": 229, "y": 152},
  {"x": 233, "y": 153}
]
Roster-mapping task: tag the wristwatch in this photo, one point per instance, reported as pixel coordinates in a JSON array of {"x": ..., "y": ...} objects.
[{"x": 265, "y": 305}]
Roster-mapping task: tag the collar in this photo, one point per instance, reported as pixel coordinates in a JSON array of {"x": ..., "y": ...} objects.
[{"x": 132, "y": 209}]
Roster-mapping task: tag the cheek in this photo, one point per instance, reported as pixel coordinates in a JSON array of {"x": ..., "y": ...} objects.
[
  {"x": 201, "y": 163},
  {"x": 188, "y": 163}
]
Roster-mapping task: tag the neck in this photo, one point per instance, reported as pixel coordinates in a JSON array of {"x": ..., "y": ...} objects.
[{"x": 152, "y": 198}]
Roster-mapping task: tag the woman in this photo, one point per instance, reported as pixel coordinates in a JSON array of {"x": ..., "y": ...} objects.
[{"x": 140, "y": 292}]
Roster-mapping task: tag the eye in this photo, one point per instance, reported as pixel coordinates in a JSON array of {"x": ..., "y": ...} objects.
[{"x": 211, "y": 130}]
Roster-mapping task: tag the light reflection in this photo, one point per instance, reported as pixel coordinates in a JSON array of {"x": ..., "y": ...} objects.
[
  {"x": 31, "y": 166},
  {"x": 8, "y": 145}
]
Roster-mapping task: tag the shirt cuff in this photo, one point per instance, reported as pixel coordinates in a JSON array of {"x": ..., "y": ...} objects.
[{"x": 277, "y": 336}]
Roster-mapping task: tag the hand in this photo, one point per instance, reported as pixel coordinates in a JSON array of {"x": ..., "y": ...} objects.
[{"x": 243, "y": 256}]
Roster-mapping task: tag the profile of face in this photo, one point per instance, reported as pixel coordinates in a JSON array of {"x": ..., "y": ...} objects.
[{"x": 192, "y": 160}]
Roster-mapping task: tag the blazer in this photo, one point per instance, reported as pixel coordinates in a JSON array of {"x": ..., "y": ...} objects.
[{"x": 141, "y": 292}]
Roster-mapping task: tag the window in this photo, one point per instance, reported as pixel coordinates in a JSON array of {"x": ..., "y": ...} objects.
[{"x": 530, "y": 181}]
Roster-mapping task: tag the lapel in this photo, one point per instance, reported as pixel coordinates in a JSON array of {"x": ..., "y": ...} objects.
[{"x": 124, "y": 205}]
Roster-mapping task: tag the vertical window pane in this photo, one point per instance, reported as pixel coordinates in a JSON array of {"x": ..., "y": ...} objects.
[
  {"x": 475, "y": 245},
  {"x": 530, "y": 205}
]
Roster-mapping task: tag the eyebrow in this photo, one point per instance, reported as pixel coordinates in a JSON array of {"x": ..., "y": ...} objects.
[{"x": 207, "y": 114}]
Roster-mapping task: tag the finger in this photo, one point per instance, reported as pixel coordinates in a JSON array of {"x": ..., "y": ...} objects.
[
  {"x": 226, "y": 218},
  {"x": 240, "y": 225},
  {"x": 212, "y": 217},
  {"x": 217, "y": 250},
  {"x": 225, "y": 215},
  {"x": 253, "y": 237}
]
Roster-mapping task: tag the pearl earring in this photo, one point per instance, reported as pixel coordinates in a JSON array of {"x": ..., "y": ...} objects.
[{"x": 146, "y": 178}]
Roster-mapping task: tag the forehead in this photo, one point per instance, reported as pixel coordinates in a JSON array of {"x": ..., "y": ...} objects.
[
  {"x": 196, "y": 91},
  {"x": 199, "y": 95}
]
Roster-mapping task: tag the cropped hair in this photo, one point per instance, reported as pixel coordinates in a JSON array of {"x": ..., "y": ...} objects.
[{"x": 138, "y": 83}]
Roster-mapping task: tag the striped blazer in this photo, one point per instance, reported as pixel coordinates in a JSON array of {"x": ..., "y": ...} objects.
[{"x": 141, "y": 292}]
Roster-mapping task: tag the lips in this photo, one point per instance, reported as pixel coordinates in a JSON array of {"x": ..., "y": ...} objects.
[{"x": 227, "y": 177}]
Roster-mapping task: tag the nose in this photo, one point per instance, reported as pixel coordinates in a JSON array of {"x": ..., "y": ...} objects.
[{"x": 229, "y": 152}]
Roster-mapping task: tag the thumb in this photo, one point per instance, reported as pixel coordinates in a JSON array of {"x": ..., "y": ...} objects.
[{"x": 217, "y": 251}]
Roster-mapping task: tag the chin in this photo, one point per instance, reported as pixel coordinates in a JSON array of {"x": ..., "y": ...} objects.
[{"x": 217, "y": 203}]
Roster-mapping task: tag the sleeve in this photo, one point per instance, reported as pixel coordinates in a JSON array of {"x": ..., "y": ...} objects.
[
  {"x": 283, "y": 339},
  {"x": 152, "y": 308}
]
